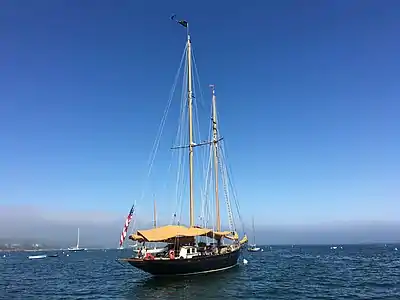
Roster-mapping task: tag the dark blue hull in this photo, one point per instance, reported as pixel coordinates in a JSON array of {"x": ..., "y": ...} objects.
[{"x": 196, "y": 265}]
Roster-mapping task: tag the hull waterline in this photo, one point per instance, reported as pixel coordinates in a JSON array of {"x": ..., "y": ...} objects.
[{"x": 184, "y": 267}]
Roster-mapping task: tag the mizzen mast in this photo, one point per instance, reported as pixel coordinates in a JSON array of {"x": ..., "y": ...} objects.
[{"x": 215, "y": 146}]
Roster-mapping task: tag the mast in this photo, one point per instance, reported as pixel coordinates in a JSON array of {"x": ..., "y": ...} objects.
[
  {"x": 185, "y": 24},
  {"x": 190, "y": 100},
  {"x": 215, "y": 142},
  {"x": 77, "y": 244},
  {"x": 254, "y": 233}
]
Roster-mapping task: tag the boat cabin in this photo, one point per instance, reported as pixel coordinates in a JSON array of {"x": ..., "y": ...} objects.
[{"x": 188, "y": 252}]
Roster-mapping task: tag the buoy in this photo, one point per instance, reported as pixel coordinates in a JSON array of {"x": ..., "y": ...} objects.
[{"x": 245, "y": 261}]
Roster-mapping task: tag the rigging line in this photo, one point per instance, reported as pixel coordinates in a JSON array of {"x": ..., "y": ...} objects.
[
  {"x": 162, "y": 124},
  {"x": 182, "y": 135},
  {"x": 204, "y": 199},
  {"x": 197, "y": 100},
  {"x": 230, "y": 182},
  {"x": 207, "y": 203},
  {"x": 208, "y": 185},
  {"x": 225, "y": 182},
  {"x": 181, "y": 116},
  {"x": 203, "y": 155},
  {"x": 156, "y": 143},
  {"x": 210, "y": 157},
  {"x": 182, "y": 191},
  {"x": 202, "y": 104},
  {"x": 177, "y": 138},
  {"x": 231, "y": 179},
  {"x": 226, "y": 165},
  {"x": 204, "y": 191},
  {"x": 197, "y": 128},
  {"x": 226, "y": 194},
  {"x": 180, "y": 167},
  {"x": 161, "y": 127},
  {"x": 200, "y": 157}
]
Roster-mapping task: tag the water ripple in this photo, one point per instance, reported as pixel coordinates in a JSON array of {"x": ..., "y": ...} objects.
[{"x": 355, "y": 272}]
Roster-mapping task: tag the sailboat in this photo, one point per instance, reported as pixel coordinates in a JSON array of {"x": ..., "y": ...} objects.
[
  {"x": 253, "y": 247},
  {"x": 194, "y": 249},
  {"x": 76, "y": 248},
  {"x": 37, "y": 256}
]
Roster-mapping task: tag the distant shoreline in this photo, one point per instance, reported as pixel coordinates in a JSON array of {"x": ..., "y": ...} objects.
[
  {"x": 261, "y": 245},
  {"x": 54, "y": 249},
  {"x": 31, "y": 250}
]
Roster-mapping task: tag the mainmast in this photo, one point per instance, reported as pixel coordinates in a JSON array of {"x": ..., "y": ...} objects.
[
  {"x": 190, "y": 100},
  {"x": 215, "y": 142}
]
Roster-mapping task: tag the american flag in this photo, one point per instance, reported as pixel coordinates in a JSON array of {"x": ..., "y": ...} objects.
[{"x": 125, "y": 229}]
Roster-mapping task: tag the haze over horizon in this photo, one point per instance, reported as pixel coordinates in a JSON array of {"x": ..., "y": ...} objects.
[
  {"x": 307, "y": 96},
  {"x": 18, "y": 222}
]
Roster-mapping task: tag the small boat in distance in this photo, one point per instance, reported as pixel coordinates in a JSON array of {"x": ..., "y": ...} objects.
[
  {"x": 76, "y": 249},
  {"x": 37, "y": 256},
  {"x": 253, "y": 247}
]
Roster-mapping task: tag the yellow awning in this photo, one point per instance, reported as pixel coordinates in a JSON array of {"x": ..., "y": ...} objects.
[
  {"x": 166, "y": 233},
  {"x": 223, "y": 234},
  {"x": 170, "y": 231},
  {"x": 136, "y": 237},
  {"x": 243, "y": 240}
]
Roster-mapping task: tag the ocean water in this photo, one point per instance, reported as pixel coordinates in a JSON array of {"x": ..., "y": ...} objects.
[{"x": 299, "y": 272}]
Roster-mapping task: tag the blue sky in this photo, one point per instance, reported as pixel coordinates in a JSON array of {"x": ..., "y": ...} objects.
[{"x": 308, "y": 93}]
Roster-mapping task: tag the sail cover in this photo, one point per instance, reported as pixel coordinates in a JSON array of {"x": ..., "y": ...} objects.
[{"x": 165, "y": 233}]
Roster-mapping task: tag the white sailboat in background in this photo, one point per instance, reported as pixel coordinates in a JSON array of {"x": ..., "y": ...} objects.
[
  {"x": 75, "y": 249},
  {"x": 37, "y": 256},
  {"x": 254, "y": 248}
]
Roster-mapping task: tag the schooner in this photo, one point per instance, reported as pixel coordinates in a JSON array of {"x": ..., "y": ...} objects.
[{"x": 185, "y": 254}]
